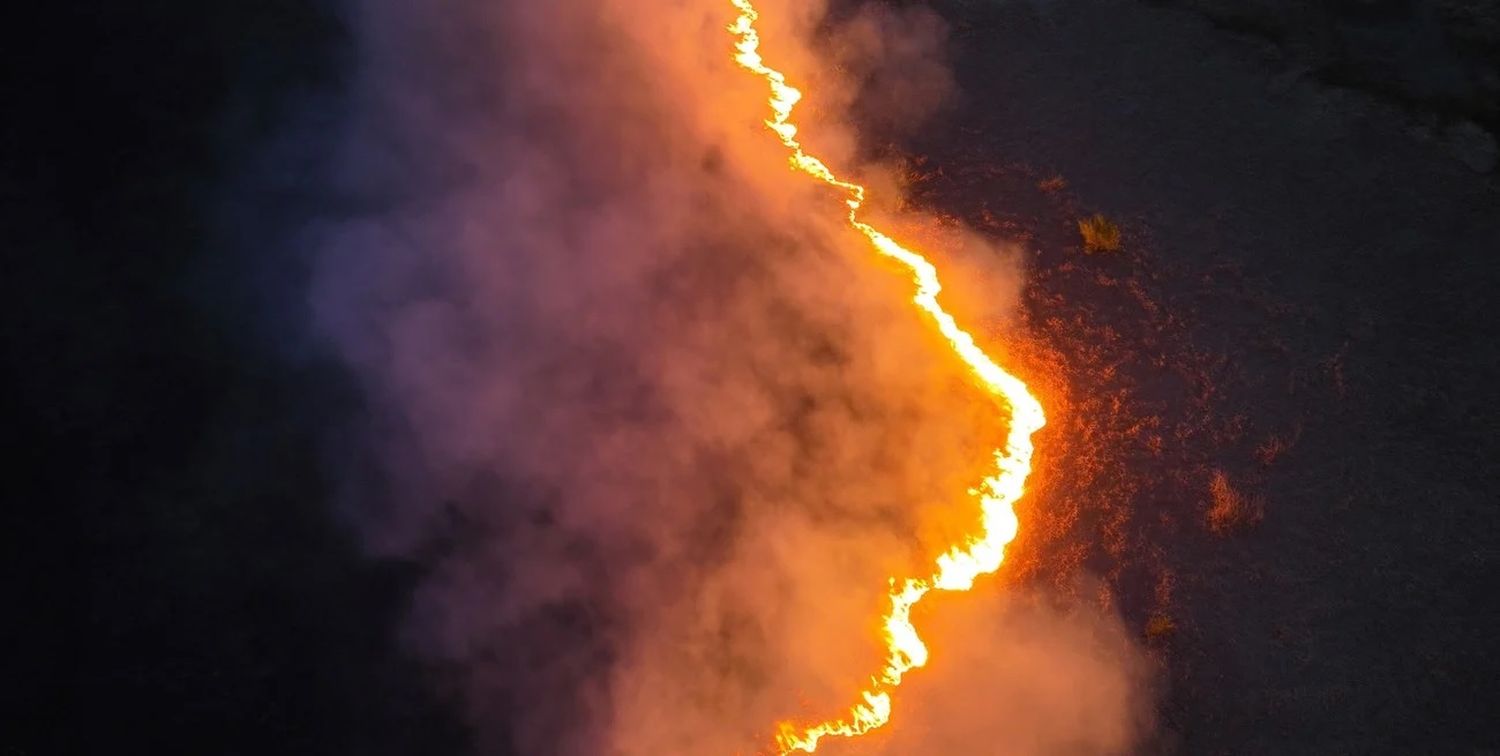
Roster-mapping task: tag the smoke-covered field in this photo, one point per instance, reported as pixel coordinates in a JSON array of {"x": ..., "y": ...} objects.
[{"x": 476, "y": 378}]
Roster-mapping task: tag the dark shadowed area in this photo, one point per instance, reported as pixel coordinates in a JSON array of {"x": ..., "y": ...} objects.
[{"x": 175, "y": 579}]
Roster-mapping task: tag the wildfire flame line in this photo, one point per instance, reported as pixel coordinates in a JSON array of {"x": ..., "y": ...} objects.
[{"x": 980, "y": 553}]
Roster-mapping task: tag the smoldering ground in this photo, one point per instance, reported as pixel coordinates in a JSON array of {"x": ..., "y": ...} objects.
[{"x": 659, "y": 426}]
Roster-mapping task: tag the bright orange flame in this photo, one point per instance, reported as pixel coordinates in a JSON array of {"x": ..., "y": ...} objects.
[{"x": 981, "y": 553}]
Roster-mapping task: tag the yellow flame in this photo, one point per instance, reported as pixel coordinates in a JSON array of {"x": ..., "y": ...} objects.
[{"x": 980, "y": 553}]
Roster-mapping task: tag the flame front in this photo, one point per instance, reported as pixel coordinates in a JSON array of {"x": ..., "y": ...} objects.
[{"x": 980, "y": 553}]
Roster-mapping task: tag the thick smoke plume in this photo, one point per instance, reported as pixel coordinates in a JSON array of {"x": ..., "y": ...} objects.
[{"x": 658, "y": 424}]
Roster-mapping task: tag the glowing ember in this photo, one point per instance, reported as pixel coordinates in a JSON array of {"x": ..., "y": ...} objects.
[{"x": 980, "y": 553}]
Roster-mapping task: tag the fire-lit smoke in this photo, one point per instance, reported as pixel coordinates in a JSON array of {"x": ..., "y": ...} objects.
[
  {"x": 982, "y": 550},
  {"x": 653, "y": 422}
]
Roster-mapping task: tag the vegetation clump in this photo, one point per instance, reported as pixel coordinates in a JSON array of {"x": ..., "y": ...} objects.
[
  {"x": 1100, "y": 234},
  {"x": 1160, "y": 626},
  {"x": 1231, "y": 509}
]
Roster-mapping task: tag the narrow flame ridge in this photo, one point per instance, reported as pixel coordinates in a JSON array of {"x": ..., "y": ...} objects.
[{"x": 980, "y": 553}]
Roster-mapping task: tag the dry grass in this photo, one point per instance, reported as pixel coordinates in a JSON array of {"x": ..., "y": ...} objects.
[
  {"x": 1276, "y": 446},
  {"x": 1231, "y": 510},
  {"x": 1160, "y": 626},
  {"x": 1100, "y": 234},
  {"x": 1053, "y": 185},
  {"x": 1271, "y": 450}
]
